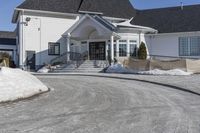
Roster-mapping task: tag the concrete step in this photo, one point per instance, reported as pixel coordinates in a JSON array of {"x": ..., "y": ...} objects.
[
  {"x": 77, "y": 71},
  {"x": 85, "y": 67}
]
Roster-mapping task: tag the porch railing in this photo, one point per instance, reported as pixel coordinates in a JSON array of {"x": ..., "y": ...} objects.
[{"x": 75, "y": 58}]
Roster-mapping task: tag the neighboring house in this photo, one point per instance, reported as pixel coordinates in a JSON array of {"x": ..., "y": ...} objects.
[
  {"x": 8, "y": 44},
  {"x": 103, "y": 29}
]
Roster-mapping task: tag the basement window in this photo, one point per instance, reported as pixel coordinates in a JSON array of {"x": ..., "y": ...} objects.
[{"x": 54, "y": 48}]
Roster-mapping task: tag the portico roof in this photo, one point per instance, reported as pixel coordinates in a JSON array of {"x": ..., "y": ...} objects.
[{"x": 89, "y": 27}]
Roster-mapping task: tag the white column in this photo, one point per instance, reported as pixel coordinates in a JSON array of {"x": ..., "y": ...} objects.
[
  {"x": 68, "y": 46},
  {"x": 128, "y": 48},
  {"x": 117, "y": 48},
  {"x": 21, "y": 42},
  {"x": 112, "y": 47}
]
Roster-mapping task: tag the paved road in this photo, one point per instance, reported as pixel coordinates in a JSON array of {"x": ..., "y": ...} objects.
[{"x": 101, "y": 105}]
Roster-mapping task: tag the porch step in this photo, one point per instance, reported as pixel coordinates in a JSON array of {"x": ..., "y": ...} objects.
[{"x": 85, "y": 67}]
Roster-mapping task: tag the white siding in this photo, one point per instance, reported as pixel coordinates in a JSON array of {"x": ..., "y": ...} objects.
[
  {"x": 39, "y": 32},
  {"x": 166, "y": 44}
]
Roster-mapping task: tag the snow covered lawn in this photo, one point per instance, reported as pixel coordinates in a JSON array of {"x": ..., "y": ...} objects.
[
  {"x": 16, "y": 84},
  {"x": 175, "y": 72},
  {"x": 118, "y": 68}
]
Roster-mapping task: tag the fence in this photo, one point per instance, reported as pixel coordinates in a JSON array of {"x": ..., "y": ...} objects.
[{"x": 189, "y": 65}]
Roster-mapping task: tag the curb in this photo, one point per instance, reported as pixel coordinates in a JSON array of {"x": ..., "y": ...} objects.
[
  {"x": 27, "y": 98},
  {"x": 123, "y": 78}
]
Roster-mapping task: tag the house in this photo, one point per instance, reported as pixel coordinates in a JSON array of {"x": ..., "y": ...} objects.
[
  {"x": 8, "y": 44},
  {"x": 102, "y": 29}
]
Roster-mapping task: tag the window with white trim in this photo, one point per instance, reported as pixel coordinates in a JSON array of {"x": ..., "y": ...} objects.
[
  {"x": 189, "y": 46},
  {"x": 133, "y": 47},
  {"x": 122, "y": 48},
  {"x": 54, "y": 48}
]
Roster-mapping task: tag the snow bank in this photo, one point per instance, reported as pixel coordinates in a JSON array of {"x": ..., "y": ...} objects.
[
  {"x": 43, "y": 70},
  {"x": 118, "y": 68},
  {"x": 16, "y": 84},
  {"x": 165, "y": 72}
]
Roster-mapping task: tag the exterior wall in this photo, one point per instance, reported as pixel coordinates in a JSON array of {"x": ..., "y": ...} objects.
[
  {"x": 124, "y": 36},
  {"x": 38, "y": 32},
  {"x": 167, "y": 44},
  {"x": 128, "y": 37}
]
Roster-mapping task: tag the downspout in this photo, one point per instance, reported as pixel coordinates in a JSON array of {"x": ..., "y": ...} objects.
[
  {"x": 40, "y": 41},
  {"x": 139, "y": 43},
  {"x": 139, "y": 38},
  {"x": 22, "y": 53}
]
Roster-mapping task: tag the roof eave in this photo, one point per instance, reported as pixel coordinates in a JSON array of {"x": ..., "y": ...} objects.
[
  {"x": 143, "y": 30},
  {"x": 15, "y": 16}
]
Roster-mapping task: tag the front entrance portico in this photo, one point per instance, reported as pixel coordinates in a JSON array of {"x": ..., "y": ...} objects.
[{"x": 90, "y": 35}]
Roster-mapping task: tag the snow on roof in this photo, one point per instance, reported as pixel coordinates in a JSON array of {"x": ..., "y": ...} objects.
[{"x": 127, "y": 24}]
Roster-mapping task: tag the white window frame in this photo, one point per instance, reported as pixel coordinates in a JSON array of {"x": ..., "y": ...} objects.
[
  {"x": 132, "y": 43},
  {"x": 123, "y": 42},
  {"x": 189, "y": 45}
]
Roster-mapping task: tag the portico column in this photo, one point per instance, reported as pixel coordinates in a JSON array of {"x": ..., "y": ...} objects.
[
  {"x": 112, "y": 48},
  {"x": 68, "y": 46}
]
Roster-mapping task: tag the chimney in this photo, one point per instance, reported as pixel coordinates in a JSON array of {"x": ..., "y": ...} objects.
[{"x": 182, "y": 6}]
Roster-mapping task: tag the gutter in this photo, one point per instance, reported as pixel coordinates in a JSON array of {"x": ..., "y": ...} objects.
[
  {"x": 47, "y": 12},
  {"x": 174, "y": 33}
]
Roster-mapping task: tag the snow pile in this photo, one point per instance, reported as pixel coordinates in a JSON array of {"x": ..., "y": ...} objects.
[
  {"x": 165, "y": 72},
  {"x": 43, "y": 70},
  {"x": 118, "y": 68},
  {"x": 16, "y": 84}
]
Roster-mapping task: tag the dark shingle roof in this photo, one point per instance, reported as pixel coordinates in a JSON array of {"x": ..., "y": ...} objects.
[
  {"x": 63, "y": 6},
  {"x": 7, "y": 34},
  {"x": 8, "y": 38},
  {"x": 168, "y": 20},
  {"x": 110, "y": 8}
]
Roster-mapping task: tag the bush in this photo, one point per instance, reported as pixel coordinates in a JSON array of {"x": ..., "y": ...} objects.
[
  {"x": 142, "y": 51},
  {"x": 5, "y": 57}
]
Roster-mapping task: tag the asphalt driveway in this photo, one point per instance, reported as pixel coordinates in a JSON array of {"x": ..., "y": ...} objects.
[{"x": 79, "y": 104}]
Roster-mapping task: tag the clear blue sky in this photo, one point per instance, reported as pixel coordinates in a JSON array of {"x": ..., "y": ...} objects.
[{"x": 7, "y": 7}]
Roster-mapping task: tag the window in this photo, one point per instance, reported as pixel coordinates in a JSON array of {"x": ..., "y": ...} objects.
[
  {"x": 122, "y": 48},
  {"x": 189, "y": 46},
  {"x": 54, "y": 48},
  {"x": 195, "y": 46},
  {"x": 133, "y": 47},
  {"x": 122, "y": 41}
]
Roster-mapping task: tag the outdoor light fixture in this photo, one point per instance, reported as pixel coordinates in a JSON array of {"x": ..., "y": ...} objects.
[{"x": 28, "y": 19}]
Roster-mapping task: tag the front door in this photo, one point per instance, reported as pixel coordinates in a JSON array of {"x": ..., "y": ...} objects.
[
  {"x": 30, "y": 58},
  {"x": 97, "y": 50}
]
